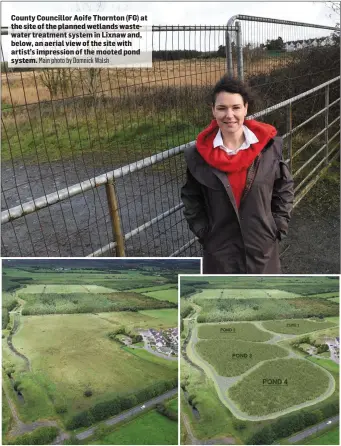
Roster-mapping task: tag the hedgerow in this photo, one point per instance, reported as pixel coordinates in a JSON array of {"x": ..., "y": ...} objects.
[
  {"x": 106, "y": 409},
  {"x": 8, "y": 303},
  {"x": 42, "y": 435},
  {"x": 220, "y": 310},
  {"x": 53, "y": 303},
  {"x": 167, "y": 412},
  {"x": 289, "y": 424}
]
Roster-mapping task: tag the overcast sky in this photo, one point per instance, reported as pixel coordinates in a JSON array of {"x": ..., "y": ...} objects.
[{"x": 191, "y": 13}]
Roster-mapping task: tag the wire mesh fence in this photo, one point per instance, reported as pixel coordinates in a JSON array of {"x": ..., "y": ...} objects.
[{"x": 61, "y": 127}]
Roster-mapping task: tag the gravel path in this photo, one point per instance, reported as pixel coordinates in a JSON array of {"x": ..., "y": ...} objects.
[
  {"x": 81, "y": 225},
  {"x": 21, "y": 428}
]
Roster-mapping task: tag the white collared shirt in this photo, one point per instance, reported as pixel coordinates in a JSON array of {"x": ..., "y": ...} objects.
[{"x": 250, "y": 138}]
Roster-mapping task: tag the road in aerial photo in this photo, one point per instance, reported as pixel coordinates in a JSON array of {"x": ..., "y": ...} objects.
[
  {"x": 90, "y": 350},
  {"x": 262, "y": 355}
]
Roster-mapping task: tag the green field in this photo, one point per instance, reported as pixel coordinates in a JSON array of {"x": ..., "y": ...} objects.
[
  {"x": 65, "y": 288},
  {"x": 220, "y": 355},
  {"x": 154, "y": 288},
  {"x": 86, "y": 302},
  {"x": 231, "y": 332},
  {"x": 232, "y": 293},
  {"x": 221, "y": 310},
  {"x": 296, "y": 326},
  {"x": 304, "y": 383},
  {"x": 303, "y": 285},
  {"x": 6, "y": 415},
  {"x": 330, "y": 437},
  {"x": 146, "y": 356},
  {"x": 334, "y": 299},
  {"x": 171, "y": 295},
  {"x": 150, "y": 428},
  {"x": 335, "y": 319},
  {"x": 163, "y": 318},
  {"x": 327, "y": 295},
  {"x": 167, "y": 317},
  {"x": 328, "y": 364},
  {"x": 129, "y": 279},
  {"x": 66, "y": 358}
]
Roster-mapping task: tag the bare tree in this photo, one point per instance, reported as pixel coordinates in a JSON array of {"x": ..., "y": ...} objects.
[
  {"x": 90, "y": 78},
  {"x": 335, "y": 7},
  {"x": 57, "y": 80}
]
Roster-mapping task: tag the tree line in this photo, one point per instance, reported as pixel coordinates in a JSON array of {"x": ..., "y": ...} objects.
[
  {"x": 106, "y": 409},
  {"x": 290, "y": 424}
]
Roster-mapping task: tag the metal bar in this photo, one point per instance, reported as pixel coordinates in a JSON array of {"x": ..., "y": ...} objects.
[
  {"x": 309, "y": 142},
  {"x": 158, "y": 28},
  {"x": 311, "y": 118},
  {"x": 289, "y": 132},
  {"x": 294, "y": 99},
  {"x": 136, "y": 231},
  {"x": 314, "y": 137},
  {"x": 4, "y": 29},
  {"x": 229, "y": 59},
  {"x": 281, "y": 22},
  {"x": 326, "y": 119},
  {"x": 331, "y": 139},
  {"x": 63, "y": 194},
  {"x": 240, "y": 67},
  {"x": 56, "y": 197},
  {"x": 115, "y": 218},
  {"x": 312, "y": 171},
  {"x": 162, "y": 28},
  {"x": 184, "y": 247},
  {"x": 309, "y": 161},
  {"x": 302, "y": 194}
]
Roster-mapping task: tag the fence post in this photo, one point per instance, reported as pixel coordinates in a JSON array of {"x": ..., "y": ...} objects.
[
  {"x": 240, "y": 65},
  {"x": 289, "y": 133},
  {"x": 115, "y": 217},
  {"x": 326, "y": 122},
  {"x": 229, "y": 63}
]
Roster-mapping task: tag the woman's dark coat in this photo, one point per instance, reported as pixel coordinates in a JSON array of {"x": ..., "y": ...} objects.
[{"x": 243, "y": 241}]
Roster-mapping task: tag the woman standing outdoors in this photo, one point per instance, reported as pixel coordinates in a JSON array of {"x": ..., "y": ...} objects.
[{"x": 238, "y": 196}]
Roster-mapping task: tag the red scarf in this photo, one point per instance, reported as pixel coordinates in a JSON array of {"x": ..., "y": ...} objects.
[{"x": 235, "y": 166}]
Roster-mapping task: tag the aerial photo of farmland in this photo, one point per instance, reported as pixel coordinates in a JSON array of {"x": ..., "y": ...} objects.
[
  {"x": 259, "y": 360},
  {"x": 90, "y": 350}
]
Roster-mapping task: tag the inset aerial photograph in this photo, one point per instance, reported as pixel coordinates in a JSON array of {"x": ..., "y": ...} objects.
[
  {"x": 90, "y": 350},
  {"x": 259, "y": 360}
]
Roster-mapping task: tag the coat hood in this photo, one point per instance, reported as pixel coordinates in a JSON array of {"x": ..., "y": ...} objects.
[{"x": 243, "y": 159}]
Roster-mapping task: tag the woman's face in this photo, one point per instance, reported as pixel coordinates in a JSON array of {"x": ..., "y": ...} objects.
[{"x": 229, "y": 111}]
